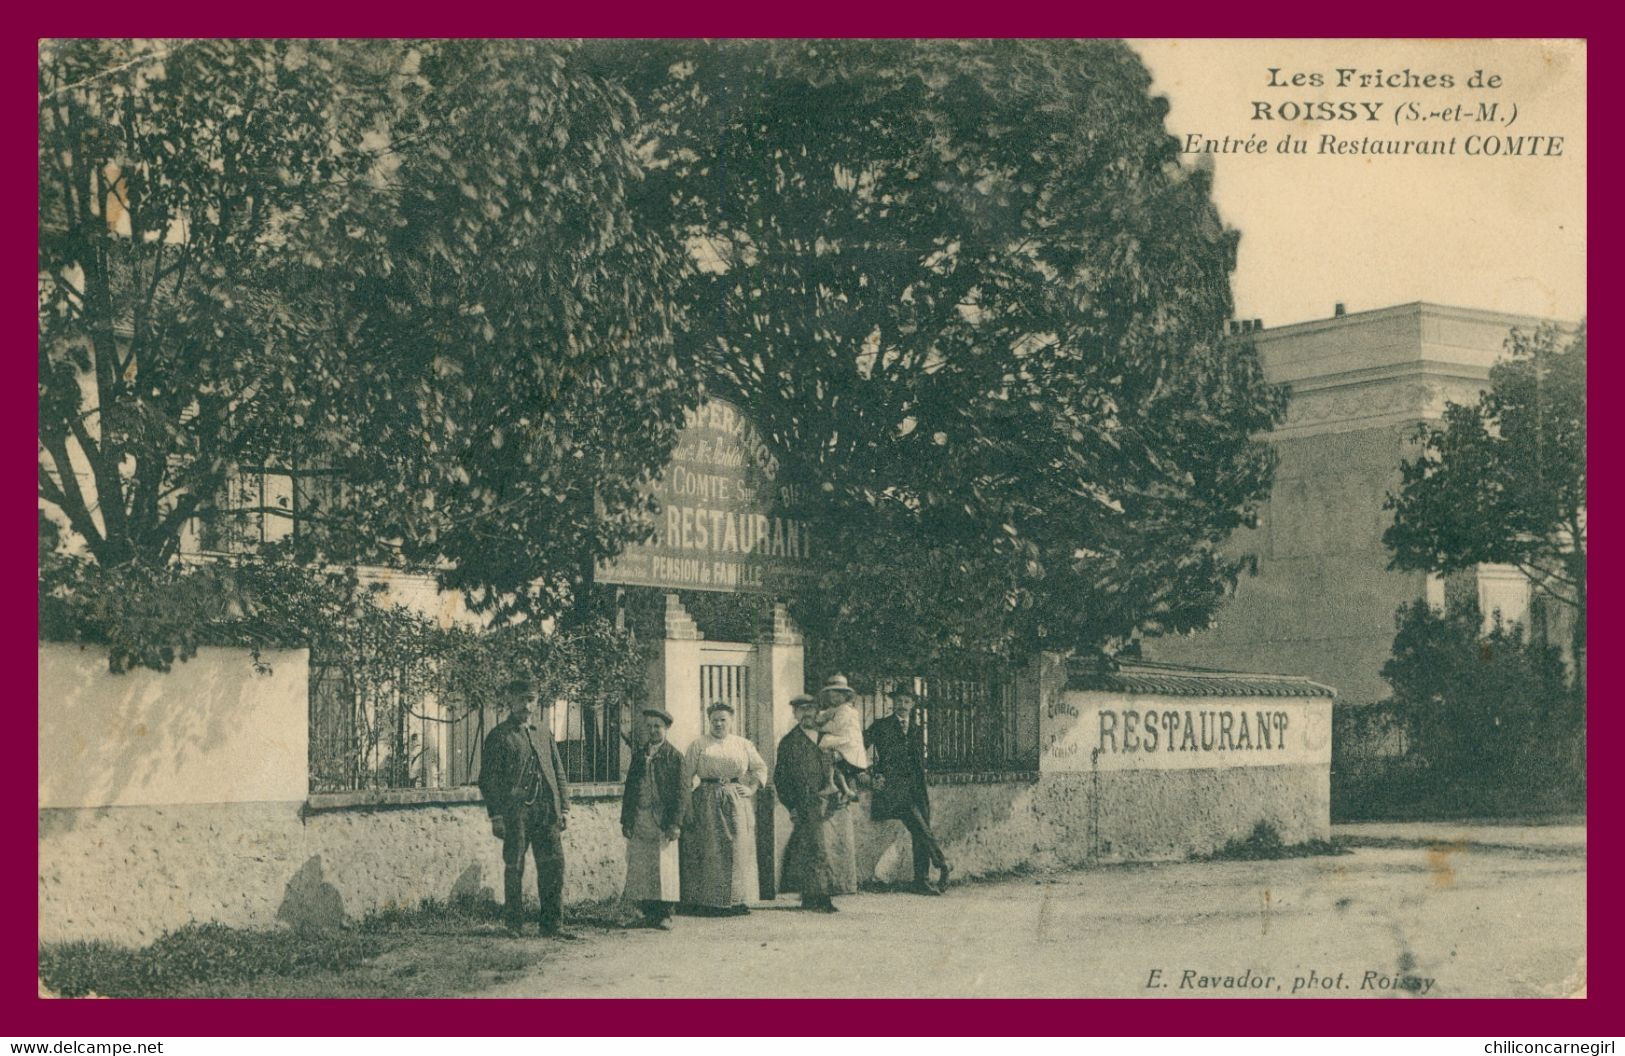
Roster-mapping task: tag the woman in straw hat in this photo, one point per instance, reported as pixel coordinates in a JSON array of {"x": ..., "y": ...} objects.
[{"x": 718, "y": 847}]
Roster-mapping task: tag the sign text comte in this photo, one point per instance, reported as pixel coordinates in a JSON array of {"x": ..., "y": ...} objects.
[{"x": 723, "y": 523}]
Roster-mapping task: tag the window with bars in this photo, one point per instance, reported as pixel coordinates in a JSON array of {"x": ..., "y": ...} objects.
[
  {"x": 265, "y": 504},
  {"x": 257, "y": 505},
  {"x": 729, "y": 683}
]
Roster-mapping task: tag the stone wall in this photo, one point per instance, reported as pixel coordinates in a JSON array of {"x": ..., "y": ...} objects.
[
  {"x": 216, "y": 729},
  {"x": 149, "y": 819},
  {"x": 1063, "y": 820},
  {"x": 129, "y": 874}
]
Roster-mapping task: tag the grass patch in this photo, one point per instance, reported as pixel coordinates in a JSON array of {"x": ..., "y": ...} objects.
[
  {"x": 197, "y": 953},
  {"x": 471, "y": 914},
  {"x": 1264, "y": 843},
  {"x": 433, "y": 949},
  {"x": 431, "y": 916}
]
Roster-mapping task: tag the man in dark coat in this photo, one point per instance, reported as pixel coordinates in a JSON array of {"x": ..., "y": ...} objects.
[
  {"x": 897, "y": 770},
  {"x": 522, "y": 780},
  {"x": 801, "y": 777},
  {"x": 652, "y": 808}
]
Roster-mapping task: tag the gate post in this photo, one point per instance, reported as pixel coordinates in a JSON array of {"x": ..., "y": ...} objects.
[
  {"x": 674, "y": 682},
  {"x": 780, "y": 675}
]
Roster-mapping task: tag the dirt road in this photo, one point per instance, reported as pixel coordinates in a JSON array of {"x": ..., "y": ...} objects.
[{"x": 1435, "y": 910}]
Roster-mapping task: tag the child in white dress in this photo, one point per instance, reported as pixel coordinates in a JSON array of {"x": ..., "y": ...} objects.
[{"x": 841, "y": 734}]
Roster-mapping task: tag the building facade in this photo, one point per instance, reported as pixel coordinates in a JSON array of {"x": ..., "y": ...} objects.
[{"x": 1322, "y": 602}]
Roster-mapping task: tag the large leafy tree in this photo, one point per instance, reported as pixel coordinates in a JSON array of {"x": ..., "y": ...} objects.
[
  {"x": 512, "y": 312},
  {"x": 971, "y": 292},
  {"x": 171, "y": 178},
  {"x": 409, "y": 268},
  {"x": 1503, "y": 479}
]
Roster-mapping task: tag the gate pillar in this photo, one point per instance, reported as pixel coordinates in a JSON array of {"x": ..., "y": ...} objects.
[
  {"x": 674, "y": 674},
  {"x": 781, "y": 676}
]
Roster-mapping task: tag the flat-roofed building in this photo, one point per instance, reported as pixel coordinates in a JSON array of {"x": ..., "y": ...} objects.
[{"x": 1322, "y": 602}]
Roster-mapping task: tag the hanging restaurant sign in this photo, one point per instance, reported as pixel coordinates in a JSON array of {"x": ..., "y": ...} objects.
[{"x": 723, "y": 523}]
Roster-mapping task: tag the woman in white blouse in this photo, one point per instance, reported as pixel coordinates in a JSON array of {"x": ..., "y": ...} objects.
[{"x": 718, "y": 844}]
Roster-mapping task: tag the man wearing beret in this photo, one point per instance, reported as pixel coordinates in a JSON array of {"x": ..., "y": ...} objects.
[
  {"x": 652, "y": 809},
  {"x": 522, "y": 780}
]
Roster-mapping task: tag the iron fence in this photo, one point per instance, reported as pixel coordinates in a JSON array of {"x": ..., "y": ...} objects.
[
  {"x": 396, "y": 735},
  {"x": 968, "y": 726},
  {"x": 388, "y": 733},
  {"x": 593, "y": 738}
]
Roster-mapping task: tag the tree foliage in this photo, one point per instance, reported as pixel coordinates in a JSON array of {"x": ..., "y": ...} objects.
[
  {"x": 513, "y": 316},
  {"x": 171, "y": 176},
  {"x": 971, "y": 292},
  {"x": 967, "y": 288},
  {"x": 409, "y": 268},
  {"x": 1489, "y": 715},
  {"x": 1503, "y": 480}
]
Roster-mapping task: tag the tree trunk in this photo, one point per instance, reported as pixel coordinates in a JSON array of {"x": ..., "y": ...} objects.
[{"x": 1577, "y": 640}]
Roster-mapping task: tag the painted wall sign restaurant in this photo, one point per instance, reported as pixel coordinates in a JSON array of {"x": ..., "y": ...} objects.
[{"x": 725, "y": 522}]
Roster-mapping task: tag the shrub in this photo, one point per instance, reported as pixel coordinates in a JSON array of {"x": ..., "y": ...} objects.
[
  {"x": 1264, "y": 842},
  {"x": 1492, "y": 722}
]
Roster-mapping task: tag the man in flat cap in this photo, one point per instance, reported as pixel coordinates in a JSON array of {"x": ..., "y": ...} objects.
[
  {"x": 522, "y": 780},
  {"x": 652, "y": 809},
  {"x": 819, "y": 859}
]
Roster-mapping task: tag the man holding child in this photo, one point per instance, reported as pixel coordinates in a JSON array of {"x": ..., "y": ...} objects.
[{"x": 820, "y": 860}]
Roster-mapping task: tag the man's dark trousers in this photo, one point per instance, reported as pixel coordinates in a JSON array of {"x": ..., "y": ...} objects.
[
  {"x": 534, "y": 829},
  {"x": 899, "y": 767},
  {"x": 657, "y": 912},
  {"x": 927, "y": 852}
]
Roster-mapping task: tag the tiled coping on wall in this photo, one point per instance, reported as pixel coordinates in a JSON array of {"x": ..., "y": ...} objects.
[
  {"x": 371, "y": 799},
  {"x": 424, "y": 797},
  {"x": 990, "y": 777}
]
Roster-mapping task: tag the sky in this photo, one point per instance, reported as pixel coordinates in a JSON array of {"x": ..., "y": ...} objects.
[{"x": 1498, "y": 232}]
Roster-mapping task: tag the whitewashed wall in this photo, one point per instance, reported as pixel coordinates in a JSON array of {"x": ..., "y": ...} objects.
[{"x": 212, "y": 730}]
